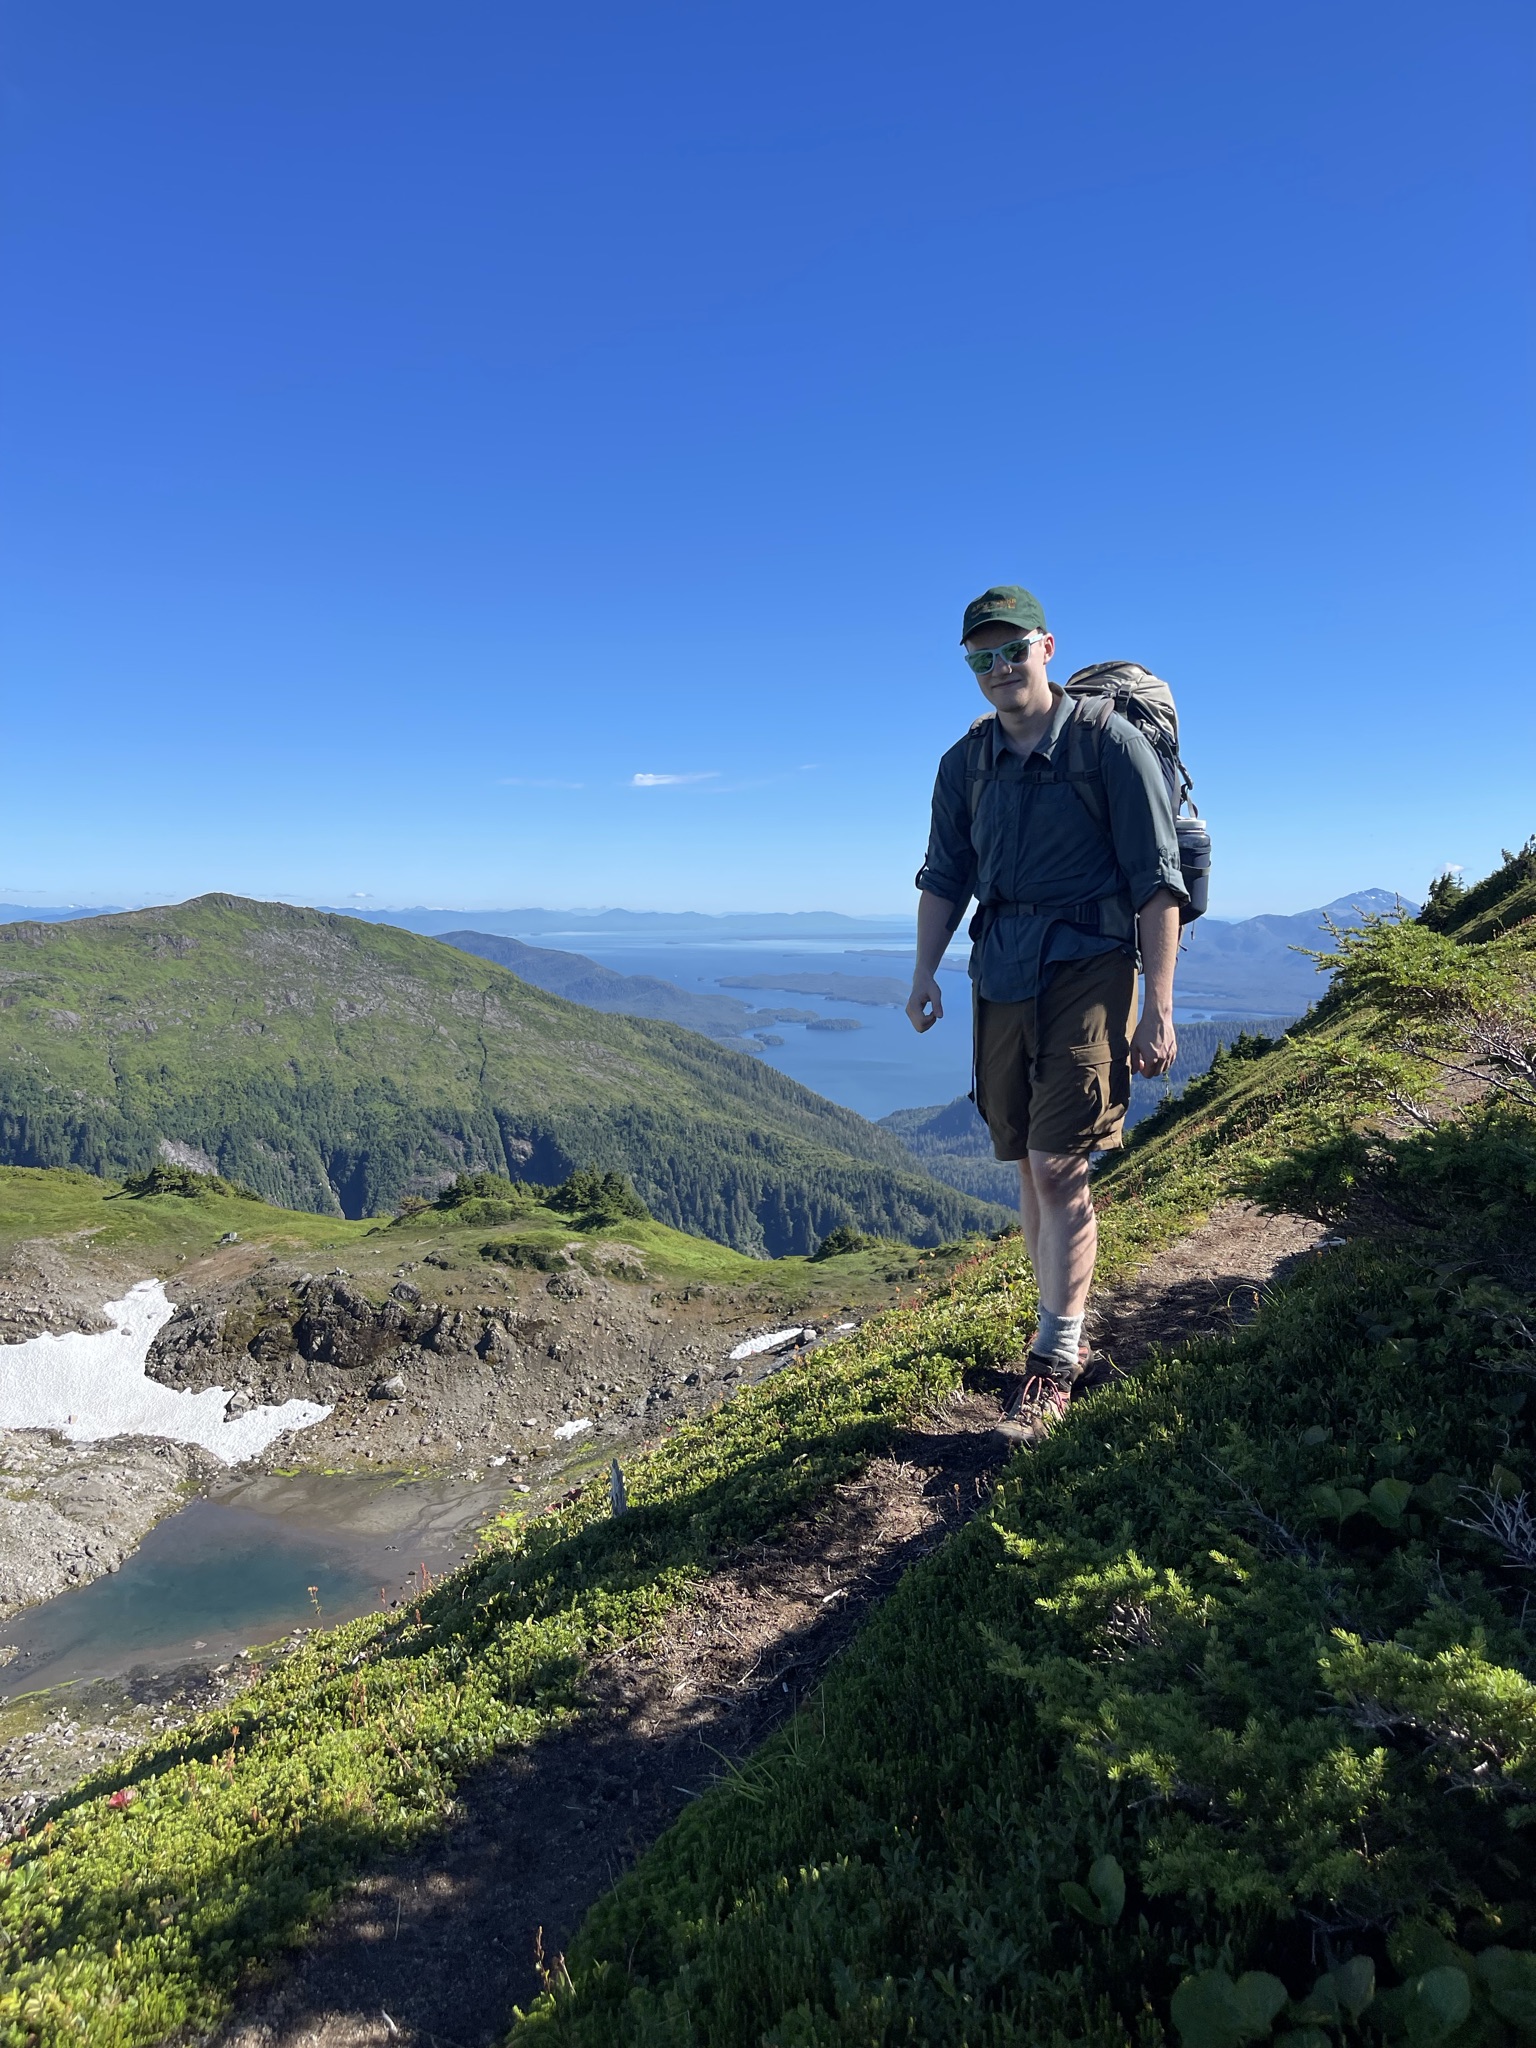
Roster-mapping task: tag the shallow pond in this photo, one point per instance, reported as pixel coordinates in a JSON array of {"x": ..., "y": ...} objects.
[{"x": 260, "y": 1557}]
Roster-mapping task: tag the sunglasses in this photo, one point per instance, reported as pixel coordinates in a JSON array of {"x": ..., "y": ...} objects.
[{"x": 1010, "y": 654}]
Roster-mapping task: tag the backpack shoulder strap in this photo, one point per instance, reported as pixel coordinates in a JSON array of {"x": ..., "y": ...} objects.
[
  {"x": 1084, "y": 732},
  {"x": 1084, "y": 736},
  {"x": 975, "y": 748}
]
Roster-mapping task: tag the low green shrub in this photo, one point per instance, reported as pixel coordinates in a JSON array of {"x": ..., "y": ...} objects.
[
  {"x": 596, "y": 1199},
  {"x": 844, "y": 1239},
  {"x": 473, "y": 1188},
  {"x": 140, "y": 1901},
  {"x": 485, "y": 1215},
  {"x": 1219, "y": 1725},
  {"x": 1236, "y": 1671},
  {"x": 185, "y": 1181}
]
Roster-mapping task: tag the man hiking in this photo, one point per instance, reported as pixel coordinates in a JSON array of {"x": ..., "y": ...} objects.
[{"x": 1070, "y": 887}]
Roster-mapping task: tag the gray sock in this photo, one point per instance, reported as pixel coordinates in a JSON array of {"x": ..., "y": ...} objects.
[{"x": 1057, "y": 1339}]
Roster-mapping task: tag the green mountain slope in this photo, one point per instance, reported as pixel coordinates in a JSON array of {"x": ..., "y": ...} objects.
[
  {"x": 1217, "y": 1724},
  {"x": 338, "y": 1066}
]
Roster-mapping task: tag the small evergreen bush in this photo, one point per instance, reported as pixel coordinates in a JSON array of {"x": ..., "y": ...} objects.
[
  {"x": 846, "y": 1239},
  {"x": 597, "y": 1199},
  {"x": 487, "y": 1198},
  {"x": 165, "y": 1179}
]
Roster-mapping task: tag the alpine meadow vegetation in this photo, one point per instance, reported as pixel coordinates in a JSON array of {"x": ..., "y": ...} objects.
[{"x": 1217, "y": 1725}]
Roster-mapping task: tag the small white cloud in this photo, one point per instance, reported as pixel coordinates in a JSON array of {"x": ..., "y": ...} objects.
[{"x": 660, "y": 781}]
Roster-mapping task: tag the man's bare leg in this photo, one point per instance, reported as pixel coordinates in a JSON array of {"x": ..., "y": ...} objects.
[{"x": 1061, "y": 1228}]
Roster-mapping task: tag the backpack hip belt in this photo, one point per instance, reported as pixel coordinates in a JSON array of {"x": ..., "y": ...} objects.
[{"x": 1090, "y": 915}]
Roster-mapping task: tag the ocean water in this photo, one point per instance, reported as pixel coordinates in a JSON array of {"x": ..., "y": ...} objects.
[{"x": 884, "y": 1065}]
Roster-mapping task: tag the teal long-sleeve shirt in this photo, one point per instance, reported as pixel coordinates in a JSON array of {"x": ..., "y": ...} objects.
[{"x": 1033, "y": 840}]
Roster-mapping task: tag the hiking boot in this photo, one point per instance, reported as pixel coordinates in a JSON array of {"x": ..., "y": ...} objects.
[{"x": 1036, "y": 1404}]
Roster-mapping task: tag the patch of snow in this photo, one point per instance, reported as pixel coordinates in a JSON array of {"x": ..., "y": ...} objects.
[
  {"x": 775, "y": 1340},
  {"x": 570, "y": 1429},
  {"x": 92, "y": 1387}
]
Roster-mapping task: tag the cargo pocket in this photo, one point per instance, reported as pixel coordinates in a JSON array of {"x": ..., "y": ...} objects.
[
  {"x": 1106, "y": 1086},
  {"x": 1091, "y": 1074}
]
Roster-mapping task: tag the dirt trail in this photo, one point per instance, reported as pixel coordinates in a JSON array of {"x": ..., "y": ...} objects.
[{"x": 437, "y": 1948}]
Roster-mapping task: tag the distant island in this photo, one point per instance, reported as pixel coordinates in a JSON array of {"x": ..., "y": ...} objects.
[
  {"x": 581, "y": 980},
  {"x": 883, "y": 991},
  {"x": 694, "y": 924}
]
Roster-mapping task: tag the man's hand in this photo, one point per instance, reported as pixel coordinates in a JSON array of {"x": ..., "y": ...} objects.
[
  {"x": 936, "y": 921},
  {"x": 925, "y": 1006},
  {"x": 1154, "y": 1046}
]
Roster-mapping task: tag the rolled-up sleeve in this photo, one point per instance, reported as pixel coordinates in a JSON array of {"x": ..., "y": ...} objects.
[
  {"x": 949, "y": 868},
  {"x": 1140, "y": 815}
]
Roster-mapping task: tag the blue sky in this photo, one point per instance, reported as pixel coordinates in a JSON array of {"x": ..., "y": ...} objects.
[{"x": 482, "y": 455}]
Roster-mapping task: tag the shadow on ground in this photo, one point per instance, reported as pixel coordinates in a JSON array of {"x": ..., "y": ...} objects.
[{"x": 437, "y": 1948}]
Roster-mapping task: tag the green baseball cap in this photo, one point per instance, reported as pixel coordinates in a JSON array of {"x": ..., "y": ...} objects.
[{"x": 1005, "y": 601}]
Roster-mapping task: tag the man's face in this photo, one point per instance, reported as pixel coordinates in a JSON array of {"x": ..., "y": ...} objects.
[{"x": 1022, "y": 688}]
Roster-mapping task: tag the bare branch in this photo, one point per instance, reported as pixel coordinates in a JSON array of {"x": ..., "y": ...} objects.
[
  {"x": 1269, "y": 1526},
  {"x": 1130, "y": 1626},
  {"x": 1526, "y": 1096},
  {"x": 1376, "y": 1719},
  {"x": 1509, "y": 1523},
  {"x": 1406, "y": 1106}
]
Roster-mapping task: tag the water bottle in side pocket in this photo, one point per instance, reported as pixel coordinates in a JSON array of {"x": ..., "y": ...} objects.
[{"x": 1195, "y": 865}]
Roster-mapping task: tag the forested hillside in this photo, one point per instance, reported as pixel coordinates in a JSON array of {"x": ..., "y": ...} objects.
[{"x": 339, "y": 1066}]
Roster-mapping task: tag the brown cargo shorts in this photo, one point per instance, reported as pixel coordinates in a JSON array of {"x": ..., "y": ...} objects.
[{"x": 1054, "y": 1074}]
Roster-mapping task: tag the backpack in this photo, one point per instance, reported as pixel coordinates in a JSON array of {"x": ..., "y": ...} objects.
[{"x": 1146, "y": 702}]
